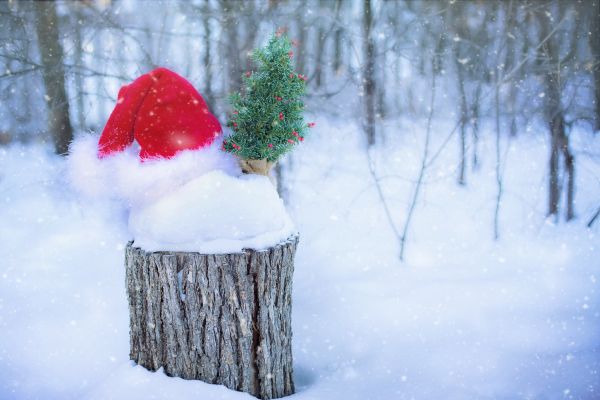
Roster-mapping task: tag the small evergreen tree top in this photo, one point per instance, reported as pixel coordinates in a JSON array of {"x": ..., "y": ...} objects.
[{"x": 267, "y": 116}]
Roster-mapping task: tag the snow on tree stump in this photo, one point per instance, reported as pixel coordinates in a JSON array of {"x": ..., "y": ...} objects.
[{"x": 219, "y": 318}]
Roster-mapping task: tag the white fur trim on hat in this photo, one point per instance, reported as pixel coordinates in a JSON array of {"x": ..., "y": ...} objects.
[{"x": 124, "y": 177}]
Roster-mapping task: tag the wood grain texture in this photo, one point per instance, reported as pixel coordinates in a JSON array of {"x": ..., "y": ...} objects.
[{"x": 223, "y": 318}]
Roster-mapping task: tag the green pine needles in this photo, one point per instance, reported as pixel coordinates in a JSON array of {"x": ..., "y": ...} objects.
[{"x": 267, "y": 116}]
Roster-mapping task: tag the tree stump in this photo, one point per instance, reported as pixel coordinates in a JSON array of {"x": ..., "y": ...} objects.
[{"x": 219, "y": 318}]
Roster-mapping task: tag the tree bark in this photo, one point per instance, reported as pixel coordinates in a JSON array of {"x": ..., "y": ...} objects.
[
  {"x": 220, "y": 318},
  {"x": 51, "y": 51},
  {"x": 302, "y": 42},
  {"x": 320, "y": 46},
  {"x": 337, "y": 51},
  {"x": 459, "y": 52},
  {"x": 78, "y": 60},
  {"x": 368, "y": 73},
  {"x": 559, "y": 139},
  {"x": 233, "y": 63},
  {"x": 464, "y": 118},
  {"x": 556, "y": 125},
  {"x": 474, "y": 111},
  {"x": 207, "y": 59},
  {"x": 595, "y": 48}
]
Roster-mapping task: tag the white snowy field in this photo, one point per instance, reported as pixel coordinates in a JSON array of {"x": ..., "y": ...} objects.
[{"x": 464, "y": 317}]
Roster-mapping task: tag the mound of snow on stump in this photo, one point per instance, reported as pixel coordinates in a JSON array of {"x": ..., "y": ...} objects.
[{"x": 215, "y": 213}]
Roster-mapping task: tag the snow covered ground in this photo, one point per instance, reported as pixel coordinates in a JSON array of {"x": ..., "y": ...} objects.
[{"x": 464, "y": 317}]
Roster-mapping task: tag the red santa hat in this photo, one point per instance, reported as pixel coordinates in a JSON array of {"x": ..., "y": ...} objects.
[{"x": 164, "y": 113}]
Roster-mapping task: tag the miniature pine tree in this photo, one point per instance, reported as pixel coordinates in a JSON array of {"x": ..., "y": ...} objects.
[{"x": 267, "y": 116}]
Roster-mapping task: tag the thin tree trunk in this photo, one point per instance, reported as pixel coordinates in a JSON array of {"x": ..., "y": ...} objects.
[
  {"x": 397, "y": 86},
  {"x": 250, "y": 14},
  {"x": 302, "y": 43},
  {"x": 558, "y": 140},
  {"x": 554, "y": 114},
  {"x": 594, "y": 40},
  {"x": 368, "y": 72},
  {"x": 381, "y": 109},
  {"x": 59, "y": 122},
  {"x": 499, "y": 183},
  {"x": 594, "y": 218},
  {"x": 424, "y": 163},
  {"x": 208, "y": 94},
  {"x": 464, "y": 117},
  {"x": 319, "y": 57},
  {"x": 553, "y": 181},
  {"x": 232, "y": 49},
  {"x": 188, "y": 45},
  {"x": 280, "y": 170},
  {"x": 475, "y": 126},
  {"x": 79, "y": 61},
  {"x": 560, "y": 147},
  {"x": 220, "y": 318},
  {"x": 569, "y": 159},
  {"x": 337, "y": 51},
  {"x": 500, "y": 77},
  {"x": 337, "y": 39},
  {"x": 100, "y": 87}
]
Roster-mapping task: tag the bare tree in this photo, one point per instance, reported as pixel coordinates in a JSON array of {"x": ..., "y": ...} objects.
[
  {"x": 460, "y": 57},
  {"x": 502, "y": 53},
  {"x": 206, "y": 61},
  {"x": 368, "y": 73},
  {"x": 59, "y": 123},
  {"x": 320, "y": 39},
  {"x": 231, "y": 46},
  {"x": 594, "y": 41},
  {"x": 78, "y": 26},
  {"x": 424, "y": 163},
  {"x": 302, "y": 32},
  {"x": 337, "y": 39},
  {"x": 553, "y": 66}
]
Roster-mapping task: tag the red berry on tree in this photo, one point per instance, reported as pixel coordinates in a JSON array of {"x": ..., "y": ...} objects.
[
  {"x": 270, "y": 145},
  {"x": 281, "y": 116}
]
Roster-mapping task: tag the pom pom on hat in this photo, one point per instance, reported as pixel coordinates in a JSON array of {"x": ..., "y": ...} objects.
[{"x": 164, "y": 113}]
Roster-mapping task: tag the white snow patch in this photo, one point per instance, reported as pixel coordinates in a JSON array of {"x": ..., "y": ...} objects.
[{"x": 463, "y": 318}]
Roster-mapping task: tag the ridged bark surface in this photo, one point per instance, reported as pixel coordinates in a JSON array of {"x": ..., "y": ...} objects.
[{"x": 223, "y": 318}]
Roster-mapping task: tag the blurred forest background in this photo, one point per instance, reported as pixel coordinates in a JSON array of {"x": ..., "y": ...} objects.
[{"x": 526, "y": 67}]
